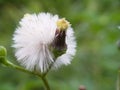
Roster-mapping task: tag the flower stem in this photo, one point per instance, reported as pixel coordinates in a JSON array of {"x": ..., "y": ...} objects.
[
  {"x": 118, "y": 81},
  {"x": 47, "y": 87},
  {"x": 9, "y": 64}
]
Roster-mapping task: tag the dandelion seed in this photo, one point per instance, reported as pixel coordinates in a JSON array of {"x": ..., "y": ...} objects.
[{"x": 38, "y": 36}]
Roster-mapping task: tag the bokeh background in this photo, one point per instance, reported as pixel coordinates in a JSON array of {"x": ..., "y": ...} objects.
[{"x": 97, "y": 60}]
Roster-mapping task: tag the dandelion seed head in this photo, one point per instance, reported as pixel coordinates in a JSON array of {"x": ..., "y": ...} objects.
[{"x": 33, "y": 39}]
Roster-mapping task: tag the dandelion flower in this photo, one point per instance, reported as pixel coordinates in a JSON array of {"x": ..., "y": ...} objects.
[{"x": 39, "y": 37}]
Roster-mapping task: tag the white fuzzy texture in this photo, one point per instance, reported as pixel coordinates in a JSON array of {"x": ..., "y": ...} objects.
[
  {"x": 66, "y": 58},
  {"x": 32, "y": 39}
]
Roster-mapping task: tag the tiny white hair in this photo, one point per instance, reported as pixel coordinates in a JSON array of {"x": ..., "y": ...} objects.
[{"x": 32, "y": 39}]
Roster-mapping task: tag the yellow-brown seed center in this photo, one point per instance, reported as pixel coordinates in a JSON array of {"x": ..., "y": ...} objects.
[{"x": 62, "y": 24}]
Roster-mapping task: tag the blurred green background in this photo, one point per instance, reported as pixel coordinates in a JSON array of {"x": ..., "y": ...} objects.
[{"x": 95, "y": 24}]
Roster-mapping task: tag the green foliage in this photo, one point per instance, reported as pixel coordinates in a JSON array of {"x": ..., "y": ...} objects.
[{"x": 97, "y": 59}]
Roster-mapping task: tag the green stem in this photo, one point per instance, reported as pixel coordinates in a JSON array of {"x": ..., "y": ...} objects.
[
  {"x": 118, "y": 81},
  {"x": 47, "y": 87},
  {"x": 9, "y": 64}
]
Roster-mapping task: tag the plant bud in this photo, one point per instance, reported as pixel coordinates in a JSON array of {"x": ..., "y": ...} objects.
[
  {"x": 82, "y": 87},
  {"x": 3, "y": 51},
  {"x": 3, "y": 54}
]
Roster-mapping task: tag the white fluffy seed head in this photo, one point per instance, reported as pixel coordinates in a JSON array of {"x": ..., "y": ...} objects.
[{"x": 33, "y": 38}]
